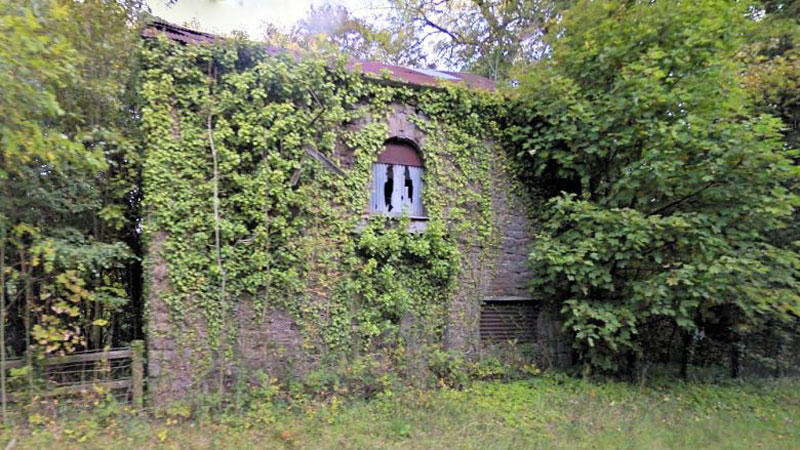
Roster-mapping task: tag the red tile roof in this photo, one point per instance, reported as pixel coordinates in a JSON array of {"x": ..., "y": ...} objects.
[{"x": 405, "y": 75}]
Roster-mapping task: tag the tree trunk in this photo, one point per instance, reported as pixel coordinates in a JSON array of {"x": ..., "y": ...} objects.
[
  {"x": 688, "y": 352},
  {"x": 28, "y": 292},
  {"x": 3, "y": 320},
  {"x": 736, "y": 356}
]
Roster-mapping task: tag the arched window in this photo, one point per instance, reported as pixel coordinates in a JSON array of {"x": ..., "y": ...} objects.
[{"x": 397, "y": 181}]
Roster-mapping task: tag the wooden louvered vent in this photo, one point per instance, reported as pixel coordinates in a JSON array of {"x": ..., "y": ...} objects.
[{"x": 508, "y": 320}]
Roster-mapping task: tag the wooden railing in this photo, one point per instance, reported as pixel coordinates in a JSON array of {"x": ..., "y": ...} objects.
[{"x": 108, "y": 370}]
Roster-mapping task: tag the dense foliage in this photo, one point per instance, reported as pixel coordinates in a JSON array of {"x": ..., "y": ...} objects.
[
  {"x": 487, "y": 37},
  {"x": 660, "y": 183},
  {"x": 657, "y": 140},
  {"x": 68, "y": 169},
  {"x": 772, "y": 55},
  {"x": 249, "y": 219}
]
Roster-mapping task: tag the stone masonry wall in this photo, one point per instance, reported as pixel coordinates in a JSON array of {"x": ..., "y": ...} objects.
[{"x": 270, "y": 341}]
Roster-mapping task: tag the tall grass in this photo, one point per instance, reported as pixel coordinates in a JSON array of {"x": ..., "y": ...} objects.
[{"x": 551, "y": 411}]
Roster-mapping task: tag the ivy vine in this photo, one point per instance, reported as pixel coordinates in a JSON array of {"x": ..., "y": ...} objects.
[{"x": 288, "y": 233}]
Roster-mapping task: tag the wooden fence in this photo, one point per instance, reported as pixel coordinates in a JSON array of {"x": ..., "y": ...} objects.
[{"x": 119, "y": 370}]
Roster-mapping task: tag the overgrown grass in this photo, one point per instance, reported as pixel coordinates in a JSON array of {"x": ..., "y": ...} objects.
[{"x": 550, "y": 411}]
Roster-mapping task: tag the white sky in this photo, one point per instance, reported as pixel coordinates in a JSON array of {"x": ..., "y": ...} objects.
[{"x": 224, "y": 16}]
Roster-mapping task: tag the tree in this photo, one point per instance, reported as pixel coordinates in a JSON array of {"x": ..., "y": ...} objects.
[
  {"x": 69, "y": 171},
  {"x": 662, "y": 183},
  {"x": 482, "y": 36},
  {"x": 772, "y": 59},
  {"x": 329, "y": 27}
]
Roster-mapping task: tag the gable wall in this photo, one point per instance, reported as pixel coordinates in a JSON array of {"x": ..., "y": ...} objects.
[{"x": 270, "y": 339}]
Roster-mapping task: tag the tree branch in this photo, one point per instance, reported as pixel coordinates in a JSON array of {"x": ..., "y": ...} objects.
[{"x": 682, "y": 199}]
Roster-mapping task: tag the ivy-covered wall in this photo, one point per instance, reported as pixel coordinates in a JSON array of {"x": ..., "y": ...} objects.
[{"x": 263, "y": 258}]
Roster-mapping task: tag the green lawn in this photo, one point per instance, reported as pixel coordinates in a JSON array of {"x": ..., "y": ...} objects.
[{"x": 551, "y": 411}]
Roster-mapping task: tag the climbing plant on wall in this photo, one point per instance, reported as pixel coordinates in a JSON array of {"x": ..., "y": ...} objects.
[{"x": 241, "y": 211}]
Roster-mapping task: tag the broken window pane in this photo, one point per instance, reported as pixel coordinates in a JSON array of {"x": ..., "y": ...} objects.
[
  {"x": 396, "y": 189},
  {"x": 388, "y": 188},
  {"x": 397, "y": 181},
  {"x": 409, "y": 187}
]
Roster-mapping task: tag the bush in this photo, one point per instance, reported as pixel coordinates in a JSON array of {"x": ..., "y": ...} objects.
[{"x": 660, "y": 185}]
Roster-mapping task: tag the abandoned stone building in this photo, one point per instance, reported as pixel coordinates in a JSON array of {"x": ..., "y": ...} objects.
[{"x": 286, "y": 311}]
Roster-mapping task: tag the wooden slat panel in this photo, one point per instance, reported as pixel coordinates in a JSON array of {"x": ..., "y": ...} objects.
[
  {"x": 378, "y": 201},
  {"x": 86, "y": 357},
  {"x": 89, "y": 387},
  {"x": 400, "y": 153},
  {"x": 80, "y": 388},
  {"x": 404, "y": 199},
  {"x": 398, "y": 180},
  {"x": 65, "y": 379},
  {"x": 414, "y": 201}
]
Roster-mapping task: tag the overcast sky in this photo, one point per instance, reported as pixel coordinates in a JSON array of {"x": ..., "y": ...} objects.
[{"x": 224, "y": 16}]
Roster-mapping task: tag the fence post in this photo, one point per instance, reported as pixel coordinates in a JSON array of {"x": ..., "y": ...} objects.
[{"x": 137, "y": 372}]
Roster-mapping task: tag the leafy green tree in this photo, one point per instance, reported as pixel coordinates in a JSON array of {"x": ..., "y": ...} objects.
[
  {"x": 661, "y": 183},
  {"x": 69, "y": 171},
  {"x": 772, "y": 79},
  {"x": 482, "y": 36},
  {"x": 772, "y": 59}
]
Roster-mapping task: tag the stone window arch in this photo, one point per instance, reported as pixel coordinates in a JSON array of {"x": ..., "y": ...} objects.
[{"x": 397, "y": 180}]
